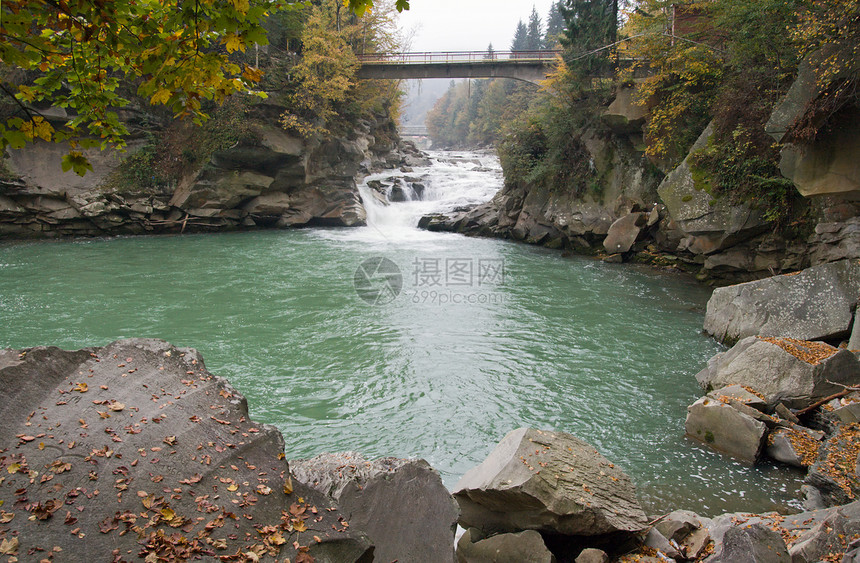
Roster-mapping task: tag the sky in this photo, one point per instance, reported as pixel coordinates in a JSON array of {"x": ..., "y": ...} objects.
[{"x": 467, "y": 25}]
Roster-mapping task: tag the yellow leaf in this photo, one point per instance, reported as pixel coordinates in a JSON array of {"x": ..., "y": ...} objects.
[
  {"x": 13, "y": 468},
  {"x": 232, "y": 487},
  {"x": 234, "y": 43},
  {"x": 82, "y": 387},
  {"x": 168, "y": 513},
  {"x": 241, "y": 6},
  {"x": 299, "y": 525},
  {"x": 288, "y": 486},
  {"x": 160, "y": 97},
  {"x": 9, "y": 546}
]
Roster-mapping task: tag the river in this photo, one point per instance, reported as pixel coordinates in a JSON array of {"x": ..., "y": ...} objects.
[{"x": 449, "y": 343}]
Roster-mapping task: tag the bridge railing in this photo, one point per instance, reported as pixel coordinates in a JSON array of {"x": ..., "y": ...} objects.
[{"x": 455, "y": 57}]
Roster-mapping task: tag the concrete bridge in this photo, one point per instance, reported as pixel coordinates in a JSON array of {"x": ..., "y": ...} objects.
[
  {"x": 413, "y": 131},
  {"x": 529, "y": 66}
]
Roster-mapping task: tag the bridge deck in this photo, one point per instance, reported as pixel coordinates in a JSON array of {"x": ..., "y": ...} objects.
[{"x": 530, "y": 66}]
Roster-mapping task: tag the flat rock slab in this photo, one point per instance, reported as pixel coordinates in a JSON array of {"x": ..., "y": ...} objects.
[
  {"x": 783, "y": 370},
  {"x": 550, "y": 482},
  {"x": 135, "y": 451},
  {"x": 815, "y": 304},
  {"x": 401, "y": 504}
]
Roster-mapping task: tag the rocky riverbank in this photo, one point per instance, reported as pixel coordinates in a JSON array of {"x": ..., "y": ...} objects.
[
  {"x": 134, "y": 451},
  {"x": 637, "y": 211},
  {"x": 267, "y": 179}
]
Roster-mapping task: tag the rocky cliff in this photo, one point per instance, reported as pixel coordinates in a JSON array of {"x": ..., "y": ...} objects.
[
  {"x": 267, "y": 179},
  {"x": 678, "y": 221}
]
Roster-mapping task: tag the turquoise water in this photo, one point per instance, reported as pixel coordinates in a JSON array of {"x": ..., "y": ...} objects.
[{"x": 606, "y": 352}]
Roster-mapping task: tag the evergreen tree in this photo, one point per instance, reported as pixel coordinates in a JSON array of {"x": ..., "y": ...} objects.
[
  {"x": 521, "y": 38},
  {"x": 491, "y": 53},
  {"x": 590, "y": 25},
  {"x": 534, "y": 33},
  {"x": 554, "y": 26}
]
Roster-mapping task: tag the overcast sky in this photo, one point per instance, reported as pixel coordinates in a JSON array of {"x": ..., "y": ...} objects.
[{"x": 467, "y": 25}]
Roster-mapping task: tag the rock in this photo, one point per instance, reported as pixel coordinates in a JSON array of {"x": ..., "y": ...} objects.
[
  {"x": 751, "y": 543},
  {"x": 694, "y": 545},
  {"x": 738, "y": 393},
  {"x": 848, "y": 413},
  {"x": 613, "y": 259},
  {"x": 591, "y": 555},
  {"x": 783, "y": 412},
  {"x": 133, "y": 421},
  {"x": 655, "y": 540},
  {"x": 522, "y": 547},
  {"x": 792, "y": 447},
  {"x": 401, "y": 504},
  {"x": 623, "y": 233},
  {"x": 624, "y": 114},
  {"x": 714, "y": 224},
  {"x": 782, "y": 370},
  {"x": 834, "y": 474},
  {"x": 548, "y": 481},
  {"x": 724, "y": 428},
  {"x": 815, "y": 304},
  {"x": 678, "y": 524}
]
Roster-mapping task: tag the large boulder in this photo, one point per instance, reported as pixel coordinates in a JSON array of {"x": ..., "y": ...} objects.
[
  {"x": 401, "y": 504},
  {"x": 783, "y": 370},
  {"x": 135, "y": 450},
  {"x": 550, "y": 482},
  {"x": 725, "y": 428},
  {"x": 834, "y": 477},
  {"x": 815, "y": 304},
  {"x": 623, "y": 232},
  {"x": 522, "y": 547},
  {"x": 712, "y": 223}
]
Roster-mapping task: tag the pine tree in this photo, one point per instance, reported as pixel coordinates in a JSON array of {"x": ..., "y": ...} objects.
[
  {"x": 520, "y": 42},
  {"x": 554, "y": 26},
  {"x": 590, "y": 25},
  {"x": 534, "y": 34},
  {"x": 491, "y": 53}
]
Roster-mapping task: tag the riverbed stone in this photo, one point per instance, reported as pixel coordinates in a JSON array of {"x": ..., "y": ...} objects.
[
  {"x": 783, "y": 370},
  {"x": 726, "y": 429},
  {"x": 750, "y": 543},
  {"x": 135, "y": 450},
  {"x": 401, "y": 504},
  {"x": 739, "y": 393},
  {"x": 551, "y": 482},
  {"x": 592, "y": 555},
  {"x": 814, "y": 304},
  {"x": 792, "y": 447},
  {"x": 520, "y": 547},
  {"x": 623, "y": 233}
]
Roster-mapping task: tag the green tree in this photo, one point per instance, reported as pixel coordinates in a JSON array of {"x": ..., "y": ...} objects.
[
  {"x": 521, "y": 38},
  {"x": 534, "y": 33},
  {"x": 76, "y": 54},
  {"x": 554, "y": 26}
]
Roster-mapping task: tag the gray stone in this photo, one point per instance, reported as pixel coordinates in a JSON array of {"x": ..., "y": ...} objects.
[
  {"x": 750, "y": 543},
  {"x": 592, "y": 555},
  {"x": 848, "y": 413},
  {"x": 655, "y": 540},
  {"x": 725, "y": 429},
  {"x": 613, "y": 259},
  {"x": 623, "y": 233},
  {"x": 694, "y": 545},
  {"x": 548, "y": 481},
  {"x": 791, "y": 446},
  {"x": 815, "y": 304},
  {"x": 788, "y": 371},
  {"x": 522, "y": 547},
  {"x": 713, "y": 223},
  {"x": 401, "y": 504},
  {"x": 171, "y": 450},
  {"x": 678, "y": 524}
]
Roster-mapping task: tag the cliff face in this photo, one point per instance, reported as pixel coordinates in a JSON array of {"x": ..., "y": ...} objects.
[{"x": 270, "y": 179}]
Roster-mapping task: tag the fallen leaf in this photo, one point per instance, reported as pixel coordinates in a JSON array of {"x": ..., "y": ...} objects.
[
  {"x": 9, "y": 546},
  {"x": 116, "y": 406},
  {"x": 6, "y": 516}
]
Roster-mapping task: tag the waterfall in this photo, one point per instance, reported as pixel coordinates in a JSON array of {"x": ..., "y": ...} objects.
[{"x": 395, "y": 201}]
